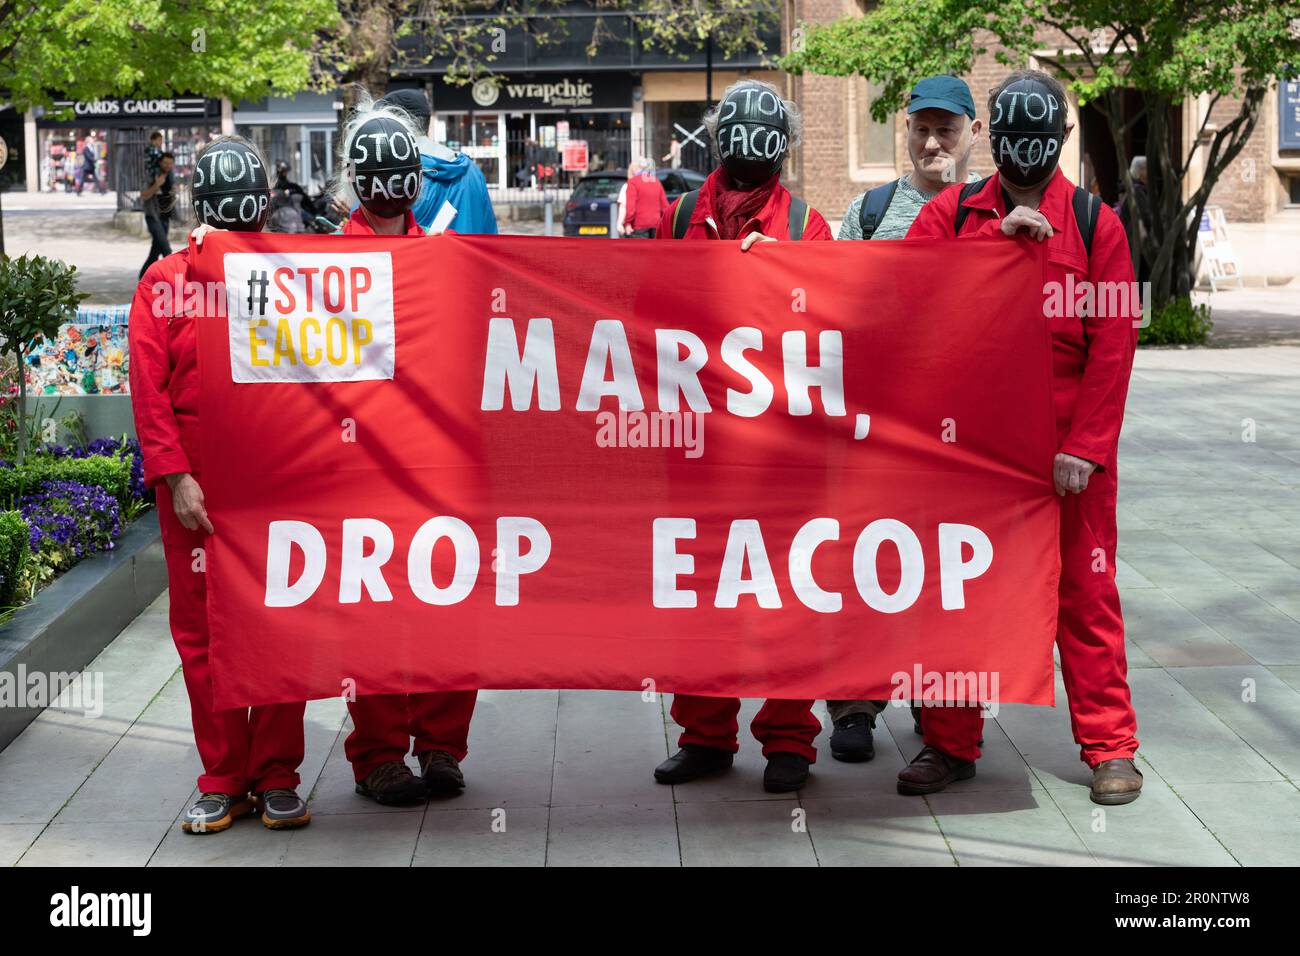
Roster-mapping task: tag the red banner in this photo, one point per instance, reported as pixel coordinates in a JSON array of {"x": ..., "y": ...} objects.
[{"x": 808, "y": 470}]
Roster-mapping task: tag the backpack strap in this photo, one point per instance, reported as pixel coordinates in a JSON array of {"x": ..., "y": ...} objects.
[
  {"x": 685, "y": 204},
  {"x": 967, "y": 190},
  {"x": 875, "y": 203},
  {"x": 1087, "y": 209},
  {"x": 798, "y": 218}
]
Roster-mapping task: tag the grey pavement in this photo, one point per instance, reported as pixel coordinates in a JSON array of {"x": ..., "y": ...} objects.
[{"x": 1209, "y": 572}]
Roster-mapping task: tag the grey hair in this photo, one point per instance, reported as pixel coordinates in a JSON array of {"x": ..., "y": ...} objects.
[
  {"x": 365, "y": 107},
  {"x": 793, "y": 118},
  {"x": 1138, "y": 168}
]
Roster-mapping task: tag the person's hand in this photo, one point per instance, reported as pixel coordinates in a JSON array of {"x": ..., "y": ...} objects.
[
  {"x": 1071, "y": 474},
  {"x": 201, "y": 230},
  {"x": 340, "y": 207},
  {"x": 187, "y": 502},
  {"x": 160, "y": 179},
  {"x": 752, "y": 238},
  {"x": 1022, "y": 217}
]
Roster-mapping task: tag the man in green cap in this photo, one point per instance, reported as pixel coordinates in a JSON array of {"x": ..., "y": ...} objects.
[{"x": 941, "y": 131}]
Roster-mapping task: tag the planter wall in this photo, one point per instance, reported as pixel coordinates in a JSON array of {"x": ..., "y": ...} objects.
[{"x": 80, "y": 613}]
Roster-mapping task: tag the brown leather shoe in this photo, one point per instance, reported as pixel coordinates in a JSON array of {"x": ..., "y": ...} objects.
[
  {"x": 392, "y": 784},
  {"x": 441, "y": 773},
  {"x": 931, "y": 771},
  {"x": 1116, "y": 782}
]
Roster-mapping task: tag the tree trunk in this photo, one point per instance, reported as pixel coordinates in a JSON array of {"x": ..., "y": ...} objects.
[{"x": 22, "y": 405}]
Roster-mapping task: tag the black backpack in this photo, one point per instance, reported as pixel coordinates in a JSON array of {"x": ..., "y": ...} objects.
[
  {"x": 1087, "y": 208},
  {"x": 798, "y": 215},
  {"x": 876, "y": 201},
  {"x": 874, "y": 205}
]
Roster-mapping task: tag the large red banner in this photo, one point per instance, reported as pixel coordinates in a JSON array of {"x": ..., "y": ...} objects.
[{"x": 807, "y": 470}]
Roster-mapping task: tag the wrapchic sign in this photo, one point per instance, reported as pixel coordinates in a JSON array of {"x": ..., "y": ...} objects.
[{"x": 539, "y": 92}]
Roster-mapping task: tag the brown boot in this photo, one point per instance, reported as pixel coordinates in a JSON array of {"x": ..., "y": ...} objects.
[
  {"x": 1116, "y": 782},
  {"x": 931, "y": 771},
  {"x": 392, "y": 784},
  {"x": 441, "y": 773}
]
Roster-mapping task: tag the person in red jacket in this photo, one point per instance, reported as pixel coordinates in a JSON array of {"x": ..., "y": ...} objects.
[
  {"x": 752, "y": 129},
  {"x": 646, "y": 201},
  {"x": 250, "y": 756},
  {"x": 1092, "y": 358},
  {"x": 383, "y": 724}
]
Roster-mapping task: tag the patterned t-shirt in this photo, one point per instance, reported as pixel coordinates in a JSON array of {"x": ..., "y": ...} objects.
[{"x": 903, "y": 209}]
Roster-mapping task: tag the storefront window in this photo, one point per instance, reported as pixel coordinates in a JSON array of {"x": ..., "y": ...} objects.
[{"x": 120, "y": 160}]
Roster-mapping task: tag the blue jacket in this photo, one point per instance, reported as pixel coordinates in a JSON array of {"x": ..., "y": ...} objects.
[{"x": 459, "y": 182}]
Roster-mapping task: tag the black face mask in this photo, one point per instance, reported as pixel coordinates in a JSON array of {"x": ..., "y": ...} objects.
[
  {"x": 230, "y": 188},
  {"x": 1026, "y": 132},
  {"x": 753, "y": 135},
  {"x": 384, "y": 167}
]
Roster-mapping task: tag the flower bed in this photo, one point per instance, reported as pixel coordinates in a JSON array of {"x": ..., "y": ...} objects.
[{"x": 63, "y": 504}]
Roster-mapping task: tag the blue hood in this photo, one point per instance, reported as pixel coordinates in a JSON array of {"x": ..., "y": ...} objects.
[{"x": 460, "y": 182}]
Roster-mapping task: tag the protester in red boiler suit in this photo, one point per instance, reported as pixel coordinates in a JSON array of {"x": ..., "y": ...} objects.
[
  {"x": 250, "y": 756},
  {"x": 384, "y": 724},
  {"x": 752, "y": 129},
  {"x": 1092, "y": 358}
]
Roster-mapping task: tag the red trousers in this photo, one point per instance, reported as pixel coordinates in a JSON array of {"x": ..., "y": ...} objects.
[
  {"x": 243, "y": 750},
  {"x": 383, "y": 725},
  {"x": 780, "y": 725},
  {"x": 1089, "y": 638}
]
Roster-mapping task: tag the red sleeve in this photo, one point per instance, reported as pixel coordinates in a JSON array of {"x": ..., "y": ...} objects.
[
  {"x": 816, "y": 228},
  {"x": 150, "y": 374},
  {"x": 663, "y": 200},
  {"x": 1112, "y": 340},
  {"x": 665, "y": 230},
  {"x": 936, "y": 217}
]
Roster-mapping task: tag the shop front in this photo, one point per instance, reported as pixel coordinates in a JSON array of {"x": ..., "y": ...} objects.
[
  {"x": 543, "y": 129},
  {"x": 100, "y": 144},
  {"x": 299, "y": 131}
]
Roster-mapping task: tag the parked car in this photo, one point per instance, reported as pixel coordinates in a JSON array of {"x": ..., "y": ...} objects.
[{"x": 587, "y": 211}]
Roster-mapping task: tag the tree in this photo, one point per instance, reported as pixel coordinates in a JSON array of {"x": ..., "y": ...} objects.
[
  {"x": 84, "y": 49},
  {"x": 87, "y": 49},
  {"x": 1164, "y": 50},
  {"x": 366, "y": 45}
]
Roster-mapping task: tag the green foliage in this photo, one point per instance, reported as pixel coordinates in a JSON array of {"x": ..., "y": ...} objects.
[
  {"x": 243, "y": 49},
  {"x": 110, "y": 472},
  {"x": 1178, "y": 323},
  {"x": 14, "y": 555},
  {"x": 37, "y": 295}
]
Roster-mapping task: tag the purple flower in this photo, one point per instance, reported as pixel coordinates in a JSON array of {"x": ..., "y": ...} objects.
[{"x": 68, "y": 518}]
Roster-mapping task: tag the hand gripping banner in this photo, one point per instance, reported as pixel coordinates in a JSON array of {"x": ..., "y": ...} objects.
[{"x": 809, "y": 470}]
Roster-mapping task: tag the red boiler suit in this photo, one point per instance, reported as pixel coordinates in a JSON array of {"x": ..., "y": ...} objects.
[
  {"x": 1092, "y": 359},
  {"x": 383, "y": 724},
  {"x": 780, "y": 725},
  {"x": 242, "y": 750}
]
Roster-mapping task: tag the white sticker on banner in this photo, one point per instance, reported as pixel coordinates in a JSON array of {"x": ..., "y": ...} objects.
[{"x": 310, "y": 316}]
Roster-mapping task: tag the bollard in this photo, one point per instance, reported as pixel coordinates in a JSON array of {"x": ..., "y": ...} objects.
[
  {"x": 547, "y": 214},
  {"x": 613, "y": 217}
]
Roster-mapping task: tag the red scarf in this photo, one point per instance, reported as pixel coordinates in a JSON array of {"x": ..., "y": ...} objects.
[{"x": 735, "y": 207}]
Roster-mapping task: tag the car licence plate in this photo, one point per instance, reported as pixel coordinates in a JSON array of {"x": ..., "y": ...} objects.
[{"x": 593, "y": 230}]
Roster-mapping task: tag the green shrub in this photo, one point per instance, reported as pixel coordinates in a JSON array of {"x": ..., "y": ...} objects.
[
  {"x": 110, "y": 472},
  {"x": 14, "y": 547},
  {"x": 1178, "y": 323}
]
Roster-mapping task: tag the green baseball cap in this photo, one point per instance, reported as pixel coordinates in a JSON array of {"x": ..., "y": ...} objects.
[{"x": 949, "y": 93}]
